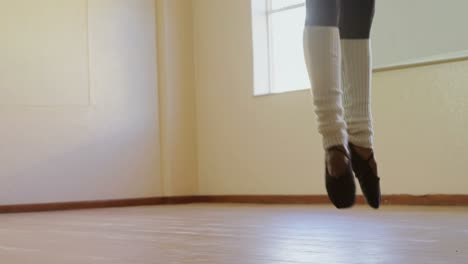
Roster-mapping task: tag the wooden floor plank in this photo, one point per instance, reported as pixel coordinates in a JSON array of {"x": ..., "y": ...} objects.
[{"x": 226, "y": 233}]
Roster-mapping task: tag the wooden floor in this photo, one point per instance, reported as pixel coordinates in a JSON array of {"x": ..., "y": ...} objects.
[{"x": 218, "y": 234}]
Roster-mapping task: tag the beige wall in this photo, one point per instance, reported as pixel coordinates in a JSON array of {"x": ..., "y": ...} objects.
[
  {"x": 269, "y": 145},
  {"x": 109, "y": 149},
  {"x": 177, "y": 97}
]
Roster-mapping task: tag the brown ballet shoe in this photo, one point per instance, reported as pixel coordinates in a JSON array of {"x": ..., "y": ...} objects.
[
  {"x": 368, "y": 179},
  {"x": 341, "y": 188}
]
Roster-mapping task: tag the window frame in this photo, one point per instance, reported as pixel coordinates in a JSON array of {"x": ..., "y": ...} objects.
[{"x": 263, "y": 46}]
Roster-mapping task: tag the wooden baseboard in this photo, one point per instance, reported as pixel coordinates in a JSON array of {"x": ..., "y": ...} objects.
[
  {"x": 423, "y": 200},
  {"x": 24, "y": 208},
  {"x": 413, "y": 200},
  {"x": 426, "y": 200},
  {"x": 264, "y": 199}
]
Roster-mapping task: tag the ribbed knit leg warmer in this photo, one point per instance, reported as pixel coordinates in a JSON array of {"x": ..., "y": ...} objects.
[{"x": 323, "y": 58}]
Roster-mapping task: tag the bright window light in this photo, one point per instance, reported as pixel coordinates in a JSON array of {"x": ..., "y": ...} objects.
[
  {"x": 279, "y": 4},
  {"x": 278, "y": 27}
]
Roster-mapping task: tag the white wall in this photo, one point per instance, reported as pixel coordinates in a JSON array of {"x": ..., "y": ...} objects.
[
  {"x": 58, "y": 151},
  {"x": 269, "y": 145}
]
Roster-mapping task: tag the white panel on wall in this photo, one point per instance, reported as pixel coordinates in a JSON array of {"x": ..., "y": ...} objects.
[
  {"x": 60, "y": 154},
  {"x": 44, "y": 52},
  {"x": 407, "y": 32}
]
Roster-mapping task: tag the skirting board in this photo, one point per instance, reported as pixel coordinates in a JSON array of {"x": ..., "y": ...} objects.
[
  {"x": 25, "y": 208},
  {"x": 424, "y": 200}
]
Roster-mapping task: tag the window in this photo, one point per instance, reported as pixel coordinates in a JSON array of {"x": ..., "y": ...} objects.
[{"x": 278, "y": 52}]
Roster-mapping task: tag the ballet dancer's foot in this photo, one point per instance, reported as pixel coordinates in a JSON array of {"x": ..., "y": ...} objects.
[
  {"x": 365, "y": 169},
  {"x": 339, "y": 177}
]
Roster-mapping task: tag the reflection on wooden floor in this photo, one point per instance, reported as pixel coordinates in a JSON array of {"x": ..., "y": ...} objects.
[{"x": 218, "y": 234}]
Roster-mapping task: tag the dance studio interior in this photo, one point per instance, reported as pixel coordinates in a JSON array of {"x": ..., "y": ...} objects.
[{"x": 233, "y": 131}]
